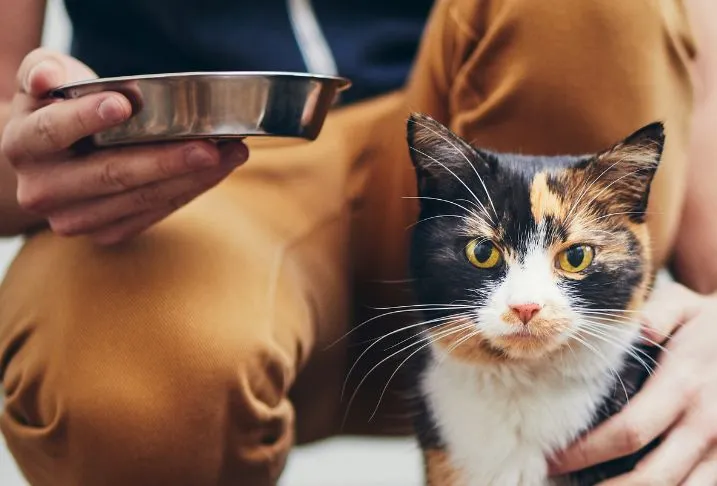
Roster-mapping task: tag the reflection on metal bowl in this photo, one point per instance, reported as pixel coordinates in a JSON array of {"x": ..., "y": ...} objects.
[{"x": 218, "y": 106}]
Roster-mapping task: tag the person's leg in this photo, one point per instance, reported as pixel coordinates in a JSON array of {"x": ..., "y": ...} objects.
[{"x": 170, "y": 359}]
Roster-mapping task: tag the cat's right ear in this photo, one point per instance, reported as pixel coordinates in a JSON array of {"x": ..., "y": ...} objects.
[{"x": 438, "y": 153}]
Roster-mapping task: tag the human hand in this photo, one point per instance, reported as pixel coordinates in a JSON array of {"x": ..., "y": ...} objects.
[
  {"x": 110, "y": 194},
  {"x": 678, "y": 403}
]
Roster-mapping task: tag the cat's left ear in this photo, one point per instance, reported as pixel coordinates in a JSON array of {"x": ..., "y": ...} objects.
[
  {"x": 624, "y": 173},
  {"x": 438, "y": 154}
]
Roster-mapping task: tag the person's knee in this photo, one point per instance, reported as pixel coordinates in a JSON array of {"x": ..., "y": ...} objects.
[{"x": 181, "y": 417}]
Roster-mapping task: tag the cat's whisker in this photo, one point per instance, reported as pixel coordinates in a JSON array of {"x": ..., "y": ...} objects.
[
  {"x": 485, "y": 188},
  {"x": 401, "y": 310},
  {"x": 469, "y": 211},
  {"x": 457, "y": 178},
  {"x": 608, "y": 317},
  {"x": 427, "y": 342},
  {"x": 631, "y": 352},
  {"x": 654, "y": 344},
  {"x": 605, "y": 330},
  {"x": 644, "y": 338},
  {"x": 627, "y": 315},
  {"x": 396, "y": 331},
  {"x": 628, "y": 348},
  {"x": 609, "y": 233},
  {"x": 570, "y": 348},
  {"x": 455, "y": 346},
  {"x": 428, "y": 330},
  {"x": 607, "y": 363},
  {"x": 624, "y": 311},
  {"x": 431, "y": 340},
  {"x": 605, "y": 216},
  {"x": 423, "y": 306},
  {"x": 469, "y": 202},
  {"x": 436, "y": 217},
  {"x": 433, "y": 324}
]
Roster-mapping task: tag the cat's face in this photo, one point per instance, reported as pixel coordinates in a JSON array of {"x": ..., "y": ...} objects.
[{"x": 529, "y": 253}]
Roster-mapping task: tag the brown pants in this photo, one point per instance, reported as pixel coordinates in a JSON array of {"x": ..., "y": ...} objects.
[{"x": 197, "y": 354}]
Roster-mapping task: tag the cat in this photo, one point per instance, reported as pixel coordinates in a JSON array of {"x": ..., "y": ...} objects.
[{"x": 531, "y": 270}]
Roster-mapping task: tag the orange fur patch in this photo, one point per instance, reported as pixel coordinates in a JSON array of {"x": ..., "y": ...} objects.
[
  {"x": 543, "y": 201},
  {"x": 439, "y": 469}
]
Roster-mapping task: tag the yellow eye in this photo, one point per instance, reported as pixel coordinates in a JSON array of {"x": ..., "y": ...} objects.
[
  {"x": 483, "y": 254},
  {"x": 576, "y": 258}
]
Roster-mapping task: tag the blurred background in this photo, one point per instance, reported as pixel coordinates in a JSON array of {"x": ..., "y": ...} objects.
[{"x": 345, "y": 461}]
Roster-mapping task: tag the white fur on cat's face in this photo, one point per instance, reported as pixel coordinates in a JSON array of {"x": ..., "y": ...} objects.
[{"x": 532, "y": 281}]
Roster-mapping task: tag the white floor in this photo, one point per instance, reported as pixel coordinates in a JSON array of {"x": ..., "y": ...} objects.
[
  {"x": 342, "y": 461},
  {"x": 336, "y": 462}
]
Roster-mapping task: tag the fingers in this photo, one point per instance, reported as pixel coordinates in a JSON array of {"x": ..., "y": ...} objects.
[
  {"x": 705, "y": 474},
  {"x": 110, "y": 172},
  {"x": 649, "y": 414},
  {"x": 56, "y": 127},
  {"x": 43, "y": 70},
  {"x": 91, "y": 216},
  {"x": 671, "y": 462},
  {"x": 40, "y": 126},
  {"x": 669, "y": 306}
]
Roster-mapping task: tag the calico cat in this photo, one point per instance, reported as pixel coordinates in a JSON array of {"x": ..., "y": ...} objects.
[{"x": 531, "y": 270}]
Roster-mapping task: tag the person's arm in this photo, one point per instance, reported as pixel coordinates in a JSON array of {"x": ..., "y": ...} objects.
[
  {"x": 695, "y": 261},
  {"x": 20, "y": 32}
]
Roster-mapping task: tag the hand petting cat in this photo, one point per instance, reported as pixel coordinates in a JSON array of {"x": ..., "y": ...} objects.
[{"x": 678, "y": 403}]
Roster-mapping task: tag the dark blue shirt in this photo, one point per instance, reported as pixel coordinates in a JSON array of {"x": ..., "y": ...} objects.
[{"x": 372, "y": 42}]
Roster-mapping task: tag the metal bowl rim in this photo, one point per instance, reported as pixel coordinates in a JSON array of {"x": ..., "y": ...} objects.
[{"x": 343, "y": 83}]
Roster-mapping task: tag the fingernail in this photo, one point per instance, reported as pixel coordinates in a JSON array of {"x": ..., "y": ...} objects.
[
  {"x": 234, "y": 154},
  {"x": 199, "y": 158},
  {"x": 111, "y": 110}
]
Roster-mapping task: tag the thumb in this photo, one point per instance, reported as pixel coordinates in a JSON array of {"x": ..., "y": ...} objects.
[{"x": 43, "y": 70}]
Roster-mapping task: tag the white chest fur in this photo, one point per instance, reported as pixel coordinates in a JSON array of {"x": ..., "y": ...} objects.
[{"x": 499, "y": 422}]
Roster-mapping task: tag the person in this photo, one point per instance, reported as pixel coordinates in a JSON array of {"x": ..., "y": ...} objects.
[{"x": 169, "y": 317}]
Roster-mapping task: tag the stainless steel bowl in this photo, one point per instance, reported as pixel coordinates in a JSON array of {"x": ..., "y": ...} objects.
[{"x": 215, "y": 105}]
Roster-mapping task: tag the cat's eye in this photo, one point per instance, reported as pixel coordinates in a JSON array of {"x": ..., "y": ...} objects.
[
  {"x": 483, "y": 254},
  {"x": 576, "y": 258}
]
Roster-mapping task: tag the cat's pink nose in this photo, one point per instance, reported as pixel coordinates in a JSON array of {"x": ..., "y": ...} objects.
[{"x": 526, "y": 312}]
